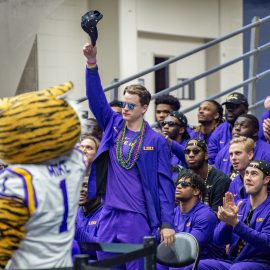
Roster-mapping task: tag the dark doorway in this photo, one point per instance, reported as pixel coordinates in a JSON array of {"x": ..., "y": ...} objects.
[{"x": 161, "y": 75}]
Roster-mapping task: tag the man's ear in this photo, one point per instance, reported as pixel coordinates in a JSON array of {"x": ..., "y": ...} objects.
[
  {"x": 250, "y": 155},
  {"x": 267, "y": 180},
  {"x": 145, "y": 107},
  {"x": 216, "y": 116},
  {"x": 181, "y": 130},
  {"x": 196, "y": 192}
]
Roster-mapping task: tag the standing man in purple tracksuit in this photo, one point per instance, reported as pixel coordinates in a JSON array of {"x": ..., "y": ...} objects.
[
  {"x": 246, "y": 125},
  {"x": 235, "y": 105},
  {"x": 241, "y": 153},
  {"x": 245, "y": 227},
  {"x": 132, "y": 168}
]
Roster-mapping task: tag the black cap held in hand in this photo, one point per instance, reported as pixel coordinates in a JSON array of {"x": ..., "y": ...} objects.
[{"x": 89, "y": 22}]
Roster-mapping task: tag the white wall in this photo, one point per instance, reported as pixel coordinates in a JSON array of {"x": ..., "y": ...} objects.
[
  {"x": 60, "y": 42},
  {"x": 191, "y": 18},
  {"x": 151, "y": 45},
  {"x": 19, "y": 22}
]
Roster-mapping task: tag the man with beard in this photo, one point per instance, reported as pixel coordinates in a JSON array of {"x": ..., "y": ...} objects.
[
  {"x": 241, "y": 153},
  {"x": 245, "y": 226},
  {"x": 210, "y": 115},
  {"x": 235, "y": 105},
  {"x": 246, "y": 125},
  {"x": 216, "y": 182}
]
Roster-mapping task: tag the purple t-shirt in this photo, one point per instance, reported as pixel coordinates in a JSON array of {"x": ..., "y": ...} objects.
[{"x": 124, "y": 187}]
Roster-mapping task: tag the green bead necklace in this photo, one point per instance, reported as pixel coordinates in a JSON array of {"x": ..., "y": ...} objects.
[{"x": 134, "y": 150}]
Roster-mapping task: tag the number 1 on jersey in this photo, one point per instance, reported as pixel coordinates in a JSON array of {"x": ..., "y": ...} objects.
[{"x": 63, "y": 187}]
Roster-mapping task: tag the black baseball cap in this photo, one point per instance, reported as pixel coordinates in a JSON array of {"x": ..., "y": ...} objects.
[
  {"x": 262, "y": 165},
  {"x": 236, "y": 98},
  {"x": 180, "y": 116},
  {"x": 197, "y": 142}
]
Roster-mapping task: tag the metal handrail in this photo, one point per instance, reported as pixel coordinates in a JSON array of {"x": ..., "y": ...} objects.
[
  {"x": 182, "y": 56},
  {"x": 246, "y": 82},
  {"x": 212, "y": 70}
]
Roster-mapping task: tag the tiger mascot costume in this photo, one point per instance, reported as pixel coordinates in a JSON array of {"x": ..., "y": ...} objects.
[{"x": 39, "y": 189}]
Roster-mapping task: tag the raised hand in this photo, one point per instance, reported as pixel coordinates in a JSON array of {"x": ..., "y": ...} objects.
[
  {"x": 90, "y": 52},
  {"x": 229, "y": 214},
  {"x": 266, "y": 129},
  {"x": 228, "y": 201}
]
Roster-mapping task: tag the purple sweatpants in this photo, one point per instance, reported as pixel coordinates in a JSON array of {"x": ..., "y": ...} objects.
[
  {"x": 210, "y": 264},
  {"x": 119, "y": 226}
]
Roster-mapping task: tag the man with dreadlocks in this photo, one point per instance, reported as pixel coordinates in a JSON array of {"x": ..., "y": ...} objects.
[
  {"x": 132, "y": 167},
  {"x": 210, "y": 115}
]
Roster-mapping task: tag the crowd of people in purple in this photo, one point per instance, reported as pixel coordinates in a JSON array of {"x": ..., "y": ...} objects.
[{"x": 211, "y": 181}]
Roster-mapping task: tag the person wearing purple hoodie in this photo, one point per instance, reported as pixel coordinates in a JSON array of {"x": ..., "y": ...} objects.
[
  {"x": 192, "y": 216},
  {"x": 131, "y": 169},
  {"x": 235, "y": 105},
  {"x": 246, "y": 125},
  {"x": 245, "y": 226}
]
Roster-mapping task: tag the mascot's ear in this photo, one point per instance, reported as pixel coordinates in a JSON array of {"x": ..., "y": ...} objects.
[
  {"x": 57, "y": 91},
  {"x": 38, "y": 126}
]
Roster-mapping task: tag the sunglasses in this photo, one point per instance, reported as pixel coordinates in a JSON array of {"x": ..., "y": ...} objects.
[
  {"x": 195, "y": 151},
  {"x": 169, "y": 123},
  {"x": 122, "y": 104},
  {"x": 184, "y": 184}
]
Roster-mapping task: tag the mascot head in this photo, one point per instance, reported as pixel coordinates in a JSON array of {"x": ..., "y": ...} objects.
[{"x": 37, "y": 126}]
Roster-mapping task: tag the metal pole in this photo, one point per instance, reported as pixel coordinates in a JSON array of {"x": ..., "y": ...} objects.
[
  {"x": 246, "y": 82},
  {"x": 253, "y": 60},
  {"x": 257, "y": 104},
  {"x": 114, "y": 92},
  {"x": 150, "y": 261},
  {"x": 79, "y": 260},
  {"x": 212, "y": 70},
  {"x": 182, "y": 56}
]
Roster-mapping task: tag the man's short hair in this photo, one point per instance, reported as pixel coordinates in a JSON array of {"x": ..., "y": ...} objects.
[
  {"x": 139, "y": 90},
  {"x": 254, "y": 121},
  {"x": 249, "y": 144},
  {"x": 169, "y": 100},
  {"x": 195, "y": 180}
]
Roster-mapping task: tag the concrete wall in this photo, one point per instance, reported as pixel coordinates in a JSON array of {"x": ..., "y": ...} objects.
[{"x": 19, "y": 23}]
